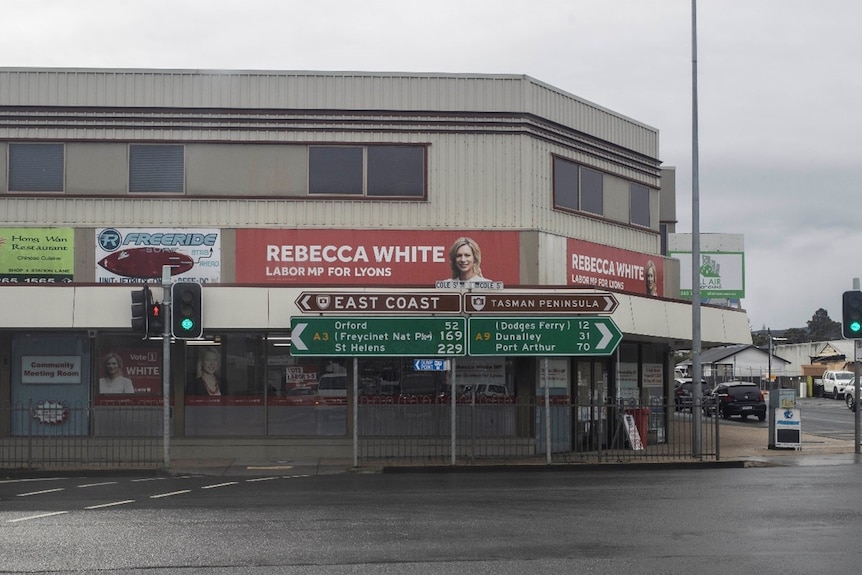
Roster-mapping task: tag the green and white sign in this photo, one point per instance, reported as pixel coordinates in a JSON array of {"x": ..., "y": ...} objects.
[
  {"x": 389, "y": 336},
  {"x": 543, "y": 336},
  {"x": 37, "y": 255}
]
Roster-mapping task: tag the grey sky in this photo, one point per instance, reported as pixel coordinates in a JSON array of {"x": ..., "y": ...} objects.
[{"x": 780, "y": 92}]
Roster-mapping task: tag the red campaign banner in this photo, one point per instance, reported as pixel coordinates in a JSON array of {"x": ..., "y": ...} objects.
[
  {"x": 363, "y": 257},
  {"x": 140, "y": 366},
  {"x": 602, "y": 267},
  {"x": 224, "y": 400}
]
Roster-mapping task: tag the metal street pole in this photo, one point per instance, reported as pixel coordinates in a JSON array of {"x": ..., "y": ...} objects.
[
  {"x": 166, "y": 365},
  {"x": 857, "y": 422},
  {"x": 769, "y": 361},
  {"x": 696, "y": 376}
]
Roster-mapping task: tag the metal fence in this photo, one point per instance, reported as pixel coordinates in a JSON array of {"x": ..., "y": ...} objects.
[
  {"x": 53, "y": 434},
  {"x": 506, "y": 430},
  {"x": 390, "y": 431}
]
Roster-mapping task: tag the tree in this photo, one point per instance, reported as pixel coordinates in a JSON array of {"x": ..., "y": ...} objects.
[{"x": 821, "y": 328}]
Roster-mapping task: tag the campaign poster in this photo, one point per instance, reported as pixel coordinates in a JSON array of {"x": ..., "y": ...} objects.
[
  {"x": 37, "y": 255},
  {"x": 137, "y": 255},
  {"x": 130, "y": 370},
  {"x": 602, "y": 267},
  {"x": 370, "y": 257}
]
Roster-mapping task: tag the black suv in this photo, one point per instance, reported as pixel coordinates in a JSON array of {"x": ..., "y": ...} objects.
[
  {"x": 737, "y": 398},
  {"x": 684, "y": 395}
]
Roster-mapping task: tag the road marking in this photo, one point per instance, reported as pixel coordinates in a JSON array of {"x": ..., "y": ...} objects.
[
  {"x": 261, "y": 479},
  {"x": 110, "y": 504},
  {"x": 268, "y": 467},
  {"x": 98, "y": 484},
  {"x": 219, "y": 485},
  {"x": 147, "y": 479},
  {"x": 38, "y": 516},
  {"x": 31, "y": 480},
  {"x": 41, "y": 492},
  {"x": 172, "y": 493}
]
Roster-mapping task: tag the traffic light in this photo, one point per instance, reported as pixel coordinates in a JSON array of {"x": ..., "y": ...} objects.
[
  {"x": 140, "y": 314},
  {"x": 851, "y": 315},
  {"x": 186, "y": 312},
  {"x": 155, "y": 319}
]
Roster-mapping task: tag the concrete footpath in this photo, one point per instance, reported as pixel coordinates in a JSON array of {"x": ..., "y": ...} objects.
[{"x": 740, "y": 447}]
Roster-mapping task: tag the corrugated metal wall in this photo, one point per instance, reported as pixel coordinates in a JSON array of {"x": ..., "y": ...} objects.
[
  {"x": 321, "y": 91},
  {"x": 490, "y": 145}
]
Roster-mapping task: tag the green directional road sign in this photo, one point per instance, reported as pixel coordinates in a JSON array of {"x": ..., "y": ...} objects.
[
  {"x": 380, "y": 336},
  {"x": 539, "y": 336}
]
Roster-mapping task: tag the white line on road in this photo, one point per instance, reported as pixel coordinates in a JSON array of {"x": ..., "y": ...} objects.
[
  {"x": 261, "y": 479},
  {"x": 172, "y": 493},
  {"x": 219, "y": 485},
  {"x": 113, "y": 504},
  {"x": 98, "y": 484},
  {"x": 37, "y": 516},
  {"x": 41, "y": 492}
]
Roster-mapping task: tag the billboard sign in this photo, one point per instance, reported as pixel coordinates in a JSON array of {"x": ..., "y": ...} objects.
[
  {"x": 367, "y": 257},
  {"x": 606, "y": 268}
]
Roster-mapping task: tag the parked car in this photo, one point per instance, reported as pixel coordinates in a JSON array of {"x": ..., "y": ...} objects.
[
  {"x": 683, "y": 392},
  {"x": 834, "y": 383},
  {"x": 332, "y": 389},
  {"x": 301, "y": 395},
  {"x": 737, "y": 398},
  {"x": 849, "y": 393}
]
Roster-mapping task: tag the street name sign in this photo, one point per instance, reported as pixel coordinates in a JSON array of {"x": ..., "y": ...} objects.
[
  {"x": 378, "y": 302},
  {"x": 540, "y": 336},
  {"x": 540, "y": 302},
  {"x": 430, "y": 365},
  {"x": 389, "y": 336}
]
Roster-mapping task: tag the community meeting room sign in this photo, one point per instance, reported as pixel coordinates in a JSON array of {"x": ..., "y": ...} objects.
[
  {"x": 357, "y": 257},
  {"x": 37, "y": 255}
]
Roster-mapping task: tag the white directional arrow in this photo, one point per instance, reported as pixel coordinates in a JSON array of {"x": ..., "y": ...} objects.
[
  {"x": 295, "y": 334},
  {"x": 607, "y": 336},
  {"x": 609, "y": 303},
  {"x": 303, "y": 302}
]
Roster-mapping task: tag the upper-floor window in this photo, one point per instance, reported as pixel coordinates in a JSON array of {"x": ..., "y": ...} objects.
[
  {"x": 577, "y": 187},
  {"x": 157, "y": 168},
  {"x": 375, "y": 171},
  {"x": 36, "y": 167},
  {"x": 639, "y": 204}
]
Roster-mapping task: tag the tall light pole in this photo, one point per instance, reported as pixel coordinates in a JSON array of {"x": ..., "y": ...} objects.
[{"x": 697, "y": 394}]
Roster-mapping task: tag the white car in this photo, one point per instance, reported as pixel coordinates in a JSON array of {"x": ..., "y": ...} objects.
[{"x": 835, "y": 383}]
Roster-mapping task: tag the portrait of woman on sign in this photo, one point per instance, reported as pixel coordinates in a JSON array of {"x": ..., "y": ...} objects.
[
  {"x": 207, "y": 379},
  {"x": 651, "y": 279},
  {"x": 114, "y": 380}
]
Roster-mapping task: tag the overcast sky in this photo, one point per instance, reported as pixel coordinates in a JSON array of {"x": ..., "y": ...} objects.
[{"x": 779, "y": 93}]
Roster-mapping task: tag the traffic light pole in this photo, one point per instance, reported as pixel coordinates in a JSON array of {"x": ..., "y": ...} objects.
[{"x": 166, "y": 365}]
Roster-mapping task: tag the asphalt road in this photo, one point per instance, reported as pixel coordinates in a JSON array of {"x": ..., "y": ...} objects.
[
  {"x": 763, "y": 520},
  {"x": 827, "y": 417}
]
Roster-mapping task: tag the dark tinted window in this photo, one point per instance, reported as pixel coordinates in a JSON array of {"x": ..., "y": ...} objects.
[
  {"x": 36, "y": 167},
  {"x": 396, "y": 171},
  {"x": 335, "y": 170},
  {"x": 592, "y": 191},
  {"x": 566, "y": 184},
  {"x": 157, "y": 168},
  {"x": 741, "y": 391},
  {"x": 639, "y": 201}
]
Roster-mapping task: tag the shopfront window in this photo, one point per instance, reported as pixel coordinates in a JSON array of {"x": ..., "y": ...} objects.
[{"x": 224, "y": 386}]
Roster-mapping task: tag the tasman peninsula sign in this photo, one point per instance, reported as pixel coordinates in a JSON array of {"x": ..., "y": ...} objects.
[{"x": 439, "y": 302}]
